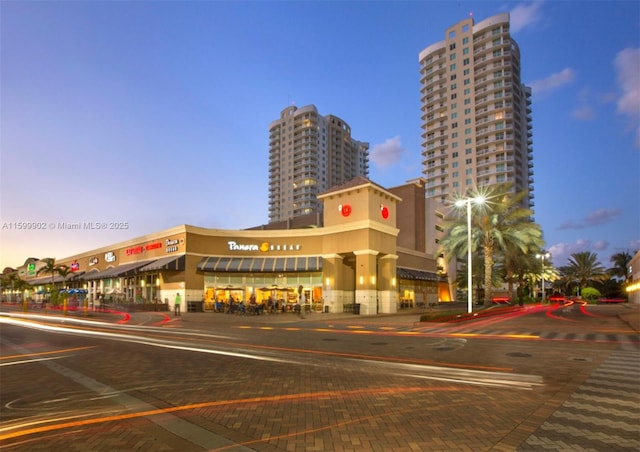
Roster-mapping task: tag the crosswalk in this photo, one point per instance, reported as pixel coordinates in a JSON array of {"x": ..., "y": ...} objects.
[
  {"x": 627, "y": 342},
  {"x": 602, "y": 414}
]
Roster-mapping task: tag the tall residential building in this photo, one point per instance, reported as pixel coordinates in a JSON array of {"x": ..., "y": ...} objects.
[
  {"x": 476, "y": 113},
  {"x": 309, "y": 154}
]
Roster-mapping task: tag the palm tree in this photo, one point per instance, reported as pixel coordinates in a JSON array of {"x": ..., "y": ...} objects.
[
  {"x": 620, "y": 267},
  {"x": 11, "y": 280},
  {"x": 584, "y": 268},
  {"x": 501, "y": 223},
  {"x": 49, "y": 267},
  {"x": 63, "y": 271}
]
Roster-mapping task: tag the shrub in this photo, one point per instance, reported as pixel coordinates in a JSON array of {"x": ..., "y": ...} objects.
[{"x": 590, "y": 294}]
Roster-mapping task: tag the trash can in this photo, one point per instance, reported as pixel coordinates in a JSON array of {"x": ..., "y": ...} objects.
[{"x": 356, "y": 308}]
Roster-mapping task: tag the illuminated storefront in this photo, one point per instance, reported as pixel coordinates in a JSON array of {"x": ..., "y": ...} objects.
[{"x": 351, "y": 260}]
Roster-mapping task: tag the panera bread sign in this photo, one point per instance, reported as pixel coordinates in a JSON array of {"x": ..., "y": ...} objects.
[{"x": 264, "y": 246}]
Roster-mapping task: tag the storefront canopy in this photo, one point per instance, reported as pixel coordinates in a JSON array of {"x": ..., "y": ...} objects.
[
  {"x": 175, "y": 263},
  {"x": 405, "y": 273},
  {"x": 115, "y": 272},
  {"x": 260, "y": 264}
]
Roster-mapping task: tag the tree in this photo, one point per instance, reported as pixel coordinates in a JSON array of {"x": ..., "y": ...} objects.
[
  {"x": 49, "y": 267},
  {"x": 620, "y": 265},
  {"x": 63, "y": 271},
  {"x": 501, "y": 223},
  {"x": 584, "y": 268},
  {"x": 11, "y": 280}
]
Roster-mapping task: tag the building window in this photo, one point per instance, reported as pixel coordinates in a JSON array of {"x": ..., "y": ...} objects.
[
  {"x": 467, "y": 151},
  {"x": 465, "y": 28},
  {"x": 452, "y": 57},
  {"x": 468, "y": 171},
  {"x": 452, "y": 67},
  {"x": 453, "y": 76},
  {"x": 454, "y": 96},
  {"x": 455, "y": 174},
  {"x": 468, "y": 161},
  {"x": 466, "y": 61},
  {"x": 465, "y": 51},
  {"x": 454, "y": 155},
  {"x": 452, "y": 46}
]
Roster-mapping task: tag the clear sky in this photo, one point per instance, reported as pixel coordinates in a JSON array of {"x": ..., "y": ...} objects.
[{"x": 156, "y": 114}]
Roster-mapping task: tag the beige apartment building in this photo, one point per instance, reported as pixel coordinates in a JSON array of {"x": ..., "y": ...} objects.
[
  {"x": 309, "y": 154},
  {"x": 476, "y": 113}
]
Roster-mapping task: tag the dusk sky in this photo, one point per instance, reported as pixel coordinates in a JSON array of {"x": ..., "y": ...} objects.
[{"x": 156, "y": 114}]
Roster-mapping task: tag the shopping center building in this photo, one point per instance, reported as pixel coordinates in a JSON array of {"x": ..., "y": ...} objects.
[{"x": 367, "y": 251}]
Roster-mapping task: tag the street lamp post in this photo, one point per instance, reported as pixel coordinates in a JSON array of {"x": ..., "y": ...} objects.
[
  {"x": 543, "y": 256},
  {"x": 460, "y": 203}
]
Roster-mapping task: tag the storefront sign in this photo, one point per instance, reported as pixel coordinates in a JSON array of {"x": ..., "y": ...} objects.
[
  {"x": 172, "y": 245},
  {"x": 134, "y": 250},
  {"x": 93, "y": 261},
  {"x": 31, "y": 269},
  {"x": 235, "y": 246},
  {"x": 75, "y": 266},
  {"x": 142, "y": 248},
  {"x": 264, "y": 246},
  {"x": 109, "y": 257}
]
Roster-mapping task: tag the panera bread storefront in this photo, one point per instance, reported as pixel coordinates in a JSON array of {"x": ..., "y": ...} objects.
[{"x": 351, "y": 261}]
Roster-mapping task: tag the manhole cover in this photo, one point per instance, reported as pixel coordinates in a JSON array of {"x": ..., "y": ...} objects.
[
  {"x": 519, "y": 355},
  {"x": 580, "y": 358},
  {"x": 378, "y": 343}
]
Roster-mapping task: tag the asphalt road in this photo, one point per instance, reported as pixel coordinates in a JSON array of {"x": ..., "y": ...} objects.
[{"x": 542, "y": 378}]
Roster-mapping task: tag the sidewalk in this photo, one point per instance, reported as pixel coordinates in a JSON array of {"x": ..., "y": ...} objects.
[{"x": 632, "y": 316}]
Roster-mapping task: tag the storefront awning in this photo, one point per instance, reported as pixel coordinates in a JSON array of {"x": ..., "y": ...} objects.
[
  {"x": 405, "y": 273},
  {"x": 175, "y": 263},
  {"x": 56, "y": 279},
  {"x": 260, "y": 264},
  {"x": 115, "y": 272}
]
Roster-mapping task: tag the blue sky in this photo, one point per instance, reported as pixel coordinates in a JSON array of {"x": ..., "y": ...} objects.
[{"x": 156, "y": 114}]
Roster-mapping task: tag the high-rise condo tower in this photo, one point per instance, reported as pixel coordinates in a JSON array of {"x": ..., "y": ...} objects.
[
  {"x": 476, "y": 113},
  {"x": 309, "y": 154}
]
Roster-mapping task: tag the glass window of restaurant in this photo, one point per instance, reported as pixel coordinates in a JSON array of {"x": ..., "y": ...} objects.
[{"x": 281, "y": 287}]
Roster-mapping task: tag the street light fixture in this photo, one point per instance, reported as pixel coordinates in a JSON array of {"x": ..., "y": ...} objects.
[
  {"x": 543, "y": 256},
  {"x": 459, "y": 203}
]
